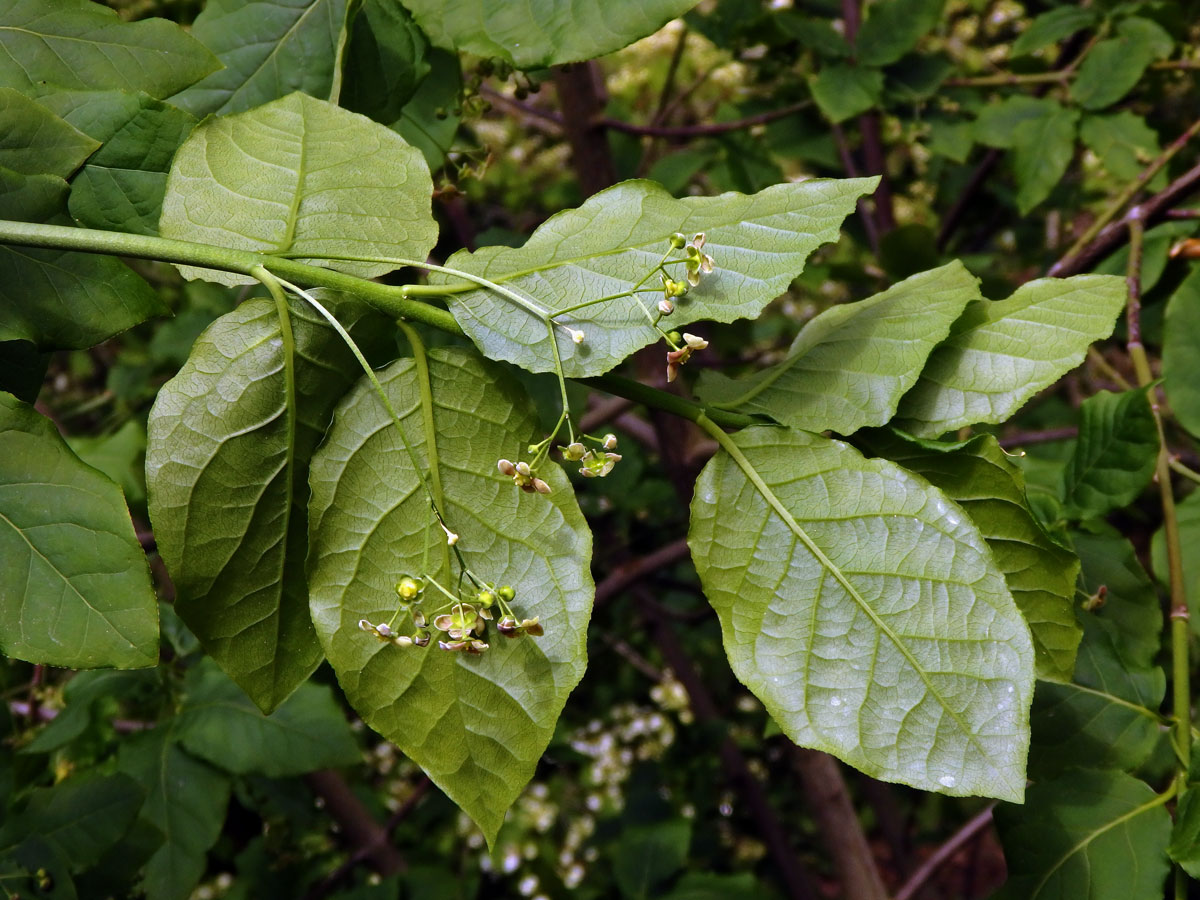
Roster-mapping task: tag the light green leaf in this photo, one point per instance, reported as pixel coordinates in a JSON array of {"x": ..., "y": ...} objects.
[
  {"x": 1123, "y": 141},
  {"x": 270, "y": 48},
  {"x": 842, "y": 91},
  {"x": 893, "y": 27},
  {"x": 218, "y": 724},
  {"x": 978, "y": 475},
  {"x": 1053, "y": 26},
  {"x": 304, "y": 179},
  {"x": 951, "y": 138},
  {"x": 1043, "y": 148},
  {"x": 863, "y": 608},
  {"x": 385, "y": 61},
  {"x": 605, "y": 247},
  {"x": 230, "y": 438},
  {"x": 1185, "y": 835},
  {"x": 185, "y": 800},
  {"x": 1187, "y": 514},
  {"x": 57, "y": 299},
  {"x": 1181, "y": 352},
  {"x": 647, "y": 855},
  {"x": 1115, "y": 65},
  {"x": 34, "y": 141},
  {"x": 532, "y": 34},
  {"x": 1114, "y": 455},
  {"x": 849, "y": 366},
  {"x": 74, "y": 588},
  {"x": 79, "y": 45},
  {"x": 1001, "y": 353},
  {"x": 120, "y": 455},
  {"x": 1096, "y": 834},
  {"x": 476, "y": 724}
]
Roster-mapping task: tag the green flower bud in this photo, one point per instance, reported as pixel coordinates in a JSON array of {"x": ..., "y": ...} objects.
[
  {"x": 677, "y": 241},
  {"x": 506, "y": 593},
  {"x": 485, "y": 598}
]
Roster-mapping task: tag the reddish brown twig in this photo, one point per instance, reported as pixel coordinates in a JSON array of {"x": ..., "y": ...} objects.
[{"x": 944, "y": 853}]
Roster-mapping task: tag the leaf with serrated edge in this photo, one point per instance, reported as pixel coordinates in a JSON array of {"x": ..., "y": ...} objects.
[
  {"x": 1114, "y": 455},
  {"x": 477, "y": 725},
  {"x": 851, "y": 364},
  {"x": 978, "y": 475},
  {"x": 270, "y": 48},
  {"x": 863, "y": 608},
  {"x": 78, "y": 45},
  {"x": 302, "y": 178},
  {"x": 1096, "y": 834},
  {"x": 604, "y": 247},
  {"x": 226, "y": 467},
  {"x": 74, "y": 588},
  {"x": 1002, "y": 352}
]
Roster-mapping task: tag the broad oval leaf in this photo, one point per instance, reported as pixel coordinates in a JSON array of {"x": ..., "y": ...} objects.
[
  {"x": 34, "y": 141},
  {"x": 1181, "y": 352},
  {"x": 269, "y": 49},
  {"x": 74, "y": 585},
  {"x": 863, "y": 608},
  {"x": 301, "y": 178},
  {"x": 609, "y": 244},
  {"x": 532, "y": 34},
  {"x": 1002, "y": 352},
  {"x": 849, "y": 366},
  {"x": 1114, "y": 455},
  {"x": 476, "y": 724},
  {"x": 79, "y": 45},
  {"x": 1096, "y": 834},
  {"x": 978, "y": 475},
  {"x": 1114, "y": 66},
  {"x": 230, "y": 438}
]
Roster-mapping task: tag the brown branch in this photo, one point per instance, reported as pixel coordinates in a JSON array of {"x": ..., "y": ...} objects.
[
  {"x": 965, "y": 199},
  {"x": 944, "y": 853},
  {"x": 716, "y": 128},
  {"x": 875, "y": 162},
  {"x": 1047, "y": 436},
  {"x": 627, "y": 574},
  {"x": 664, "y": 96},
  {"x": 581, "y": 101},
  {"x": 370, "y": 840},
  {"x": 543, "y": 119}
]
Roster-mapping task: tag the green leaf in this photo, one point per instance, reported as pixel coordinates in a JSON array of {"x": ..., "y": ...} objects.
[
  {"x": 532, "y": 34},
  {"x": 842, "y": 91},
  {"x": 1181, "y": 352},
  {"x": 81, "y": 695},
  {"x": 218, "y": 724},
  {"x": 1043, "y": 148},
  {"x": 34, "y": 141},
  {"x": 476, "y": 724},
  {"x": 230, "y": 439},
  {"x": 185, "y": 800},
  {"x": 893, "y": 27},
  {"x": 269, "y": 49},
  {"x": 120, "y": 455},
  {"x": 605, "y": 247},
  {"x": 24, "y": 368},
  {"x": 1115, "y": 65},
  {"x": 850, "y": 365},
  {"x": 81, "y": 817},
  {"x": 428, "y": 121},
  {"x": 710, "y": 886},
  {"x": 1114, "y": 456},
  {"x": 978, "y": 475},
  {"x": 1053, "y": 26},
  {"x": 952, "y": 139},
  {"x": 997, "y": 123},
  {"x": 1187, "y": 514},
  {"x": 1123, "y": 141},
  {"x": 647, "y": 855},
  {"x": 301, "y": 178},
  {"x": 74, "y": 589},
  {"x": 862, "y": 606},
  {"x": 57, "y": 299},
  {"x": 1185, "y": 835},
  {"x": 1002, "y": 352},
  {"x": 1095, "y": 834},
  {"x": 79, "y": 45},
  {"x": 1156, "y": 249},
  {"x": 1130, "y": 604},
  {"x": 385, "y": 61}
]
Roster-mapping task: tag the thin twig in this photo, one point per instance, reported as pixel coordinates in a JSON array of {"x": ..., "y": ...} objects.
[
  {"x": 622, "y": 577},
  {"x": 944, "y": 853},
  {"x": 1047, "y": 436},
  {"x": 711, "y": 130},
  {"x": 664, "y": 96}
]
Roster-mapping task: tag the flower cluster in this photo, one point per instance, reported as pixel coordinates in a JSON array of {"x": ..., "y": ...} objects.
[
  {"x": 523, "y": 476},
  {"x": 593, "y": 462},
  {"x": 697, "y": 261},
  {"x": 681, "y": 354},
  {"x": 462, "y": 624}
]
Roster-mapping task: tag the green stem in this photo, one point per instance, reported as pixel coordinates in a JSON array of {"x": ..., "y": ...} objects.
[
  {"x": 669, "y": 403},
  {"x": 1185, "y": 471},
  {"x": 1006, "y": 79}
]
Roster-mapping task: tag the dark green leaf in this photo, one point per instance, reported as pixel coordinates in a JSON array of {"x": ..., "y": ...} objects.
[
  {"x": 1114, "y": 456},
  {"x": 270, "y": 48},
  {"x": 842, "y": 91},
  {"x": 302, "y": 178},
  {"x": 709, "y": 886},
  {"x": 1002, "y": 352},
  {"x": 893, "y": 27},
  {"x": 74, "y": 589},
  {"x": 34, "y": 141},
  {"x": 952, "y": 139},
  {"x": 532, "y": 34},
  {"x": 1123, "y": 141},
  {"x": 997, "y": 123},
  {"x": 81, "y": 694},
  {"x": 1185, "y": 836},
  {"x": 647, "y": 855},
  {"x": 1156, "y": 248},
  {"x": 120, "y": 455},
  {"x": 219, "y": 724},
  {"x": 230, "y": 438},
  {"x": 428, "y": 121},
  {"x": 385, "y": 61},
  {"x": 1131, "y": 604},
  {"x": 1115, "y": 65},
  {"x": 849, "y": 366},
  {"x": 815, "y": 34},
  {"x": 476, "y": 724},
  {"x": 23, "y": 370},
  {"x": 79, "y": 45},
  {"x": 1095, "y": 834},
  {"x": 978, "y": 475},
  {"x": 1043, "y": 148},
  {"x": 1181, "y": 353},
  {"x": 1188, "y": 516},
  {"x": 1053, "y": 26},
  {"x": 862, "y": 606}
]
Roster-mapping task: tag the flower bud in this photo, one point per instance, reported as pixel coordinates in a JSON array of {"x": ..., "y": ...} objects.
[
  {"x": 508, "y": 627},
  {"x": 610, "y": 441},
  {"x": 675, "y": 337},
  {"x": 506, "y": 593},
  {"x": 693, "y": 342},
  {"x": 523, "y": 469},
  {"x": 366, "y": 626},
  {"x": 665, "y": 306},
  {"x": 486, "y": 598},
  {"x": 577, "y": 336},
  {"x": 409, "y": 588},
  {"x": 506, "y": 468},
  {"x": 421, "y": 638},
  {"x": 677, "y": 241},
  {"x": 573, "y": 451},
  {"x": 419, "y": 618},
  {"x": 540, "y": 486}
]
